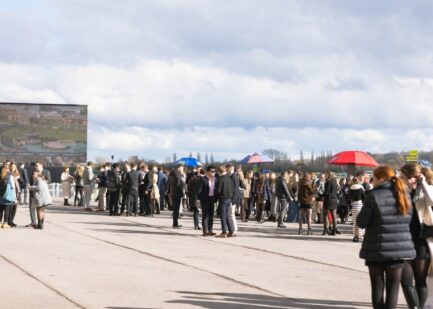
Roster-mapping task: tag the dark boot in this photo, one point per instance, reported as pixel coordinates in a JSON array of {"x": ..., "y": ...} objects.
[
  {"x": 325, "y": 230},
  {"x": 40, "y": 225},
  {"x": 300, "y": 231},
  {"x": 309, "y": 231},
  {"x": 411, "y": 296},
  {"x": 65, "y": 203},
  {"x": 422, "y": 295}
]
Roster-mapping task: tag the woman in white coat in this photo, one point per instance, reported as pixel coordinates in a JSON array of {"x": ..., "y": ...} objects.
[{"x": 67, "y": 180}]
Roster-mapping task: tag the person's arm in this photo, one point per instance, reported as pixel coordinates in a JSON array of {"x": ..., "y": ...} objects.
[
  {"x": 48, "y": 176},
  {"x": 286, "y": 191},
  {"x": 366, "y": 214},
  {"x": 428, "y": 192}
]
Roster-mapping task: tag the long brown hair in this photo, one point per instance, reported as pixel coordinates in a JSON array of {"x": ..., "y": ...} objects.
[
  {"x": 4, "y": 172},
  {"x": 387, "y": 173},
  {"x": 411, "y": 170}
]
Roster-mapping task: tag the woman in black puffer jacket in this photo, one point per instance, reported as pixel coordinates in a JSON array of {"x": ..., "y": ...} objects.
[{"x": 387, "y": 244}]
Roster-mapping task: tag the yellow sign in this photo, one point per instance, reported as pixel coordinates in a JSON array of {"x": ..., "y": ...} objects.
[{"x": 412, "y": 156}]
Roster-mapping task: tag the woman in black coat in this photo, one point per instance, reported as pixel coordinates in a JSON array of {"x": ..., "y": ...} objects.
[
  {"x": 387, "y": 244},
  {"x": 330, "y": 203}
]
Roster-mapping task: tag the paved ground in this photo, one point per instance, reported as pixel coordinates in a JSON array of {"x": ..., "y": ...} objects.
[{"x": 91, "y": 260}]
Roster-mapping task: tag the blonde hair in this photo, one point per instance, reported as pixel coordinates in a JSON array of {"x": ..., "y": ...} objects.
[{"x": 79, "y": 170}]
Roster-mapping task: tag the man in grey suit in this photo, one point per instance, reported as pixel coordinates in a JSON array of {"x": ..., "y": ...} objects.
[{"x": 87, "y": 181}]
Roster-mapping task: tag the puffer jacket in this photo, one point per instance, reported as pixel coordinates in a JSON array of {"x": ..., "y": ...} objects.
[{"x": 387, "y": 236}]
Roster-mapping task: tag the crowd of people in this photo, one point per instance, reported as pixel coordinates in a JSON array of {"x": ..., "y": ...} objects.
[
  {"x": 17, "y": 188},
  {"x": 391, "y": 213},
  {"x": 227, "y": 191}
]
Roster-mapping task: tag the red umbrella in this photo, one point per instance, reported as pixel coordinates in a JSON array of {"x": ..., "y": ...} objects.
[{"x": 358, "y": 158}]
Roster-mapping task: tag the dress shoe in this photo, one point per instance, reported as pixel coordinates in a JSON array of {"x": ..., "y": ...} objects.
[
  {"x": 281, "y": 226},
  {"x": 222, "y": 235},
  {"x": 231, "y": 234}
]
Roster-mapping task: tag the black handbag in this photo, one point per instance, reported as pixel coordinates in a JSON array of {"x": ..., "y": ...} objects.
[{"x": 426, "y": 231}]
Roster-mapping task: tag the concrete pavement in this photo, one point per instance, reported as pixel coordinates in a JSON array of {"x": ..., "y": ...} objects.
[{"x": 92, "y": 260}]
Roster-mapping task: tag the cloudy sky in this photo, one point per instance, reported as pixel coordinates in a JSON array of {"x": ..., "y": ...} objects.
[{"x": 228, "y": 77}]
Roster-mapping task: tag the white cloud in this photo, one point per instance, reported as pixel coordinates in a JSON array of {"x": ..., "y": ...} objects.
[{"x": 230, "y": 78}]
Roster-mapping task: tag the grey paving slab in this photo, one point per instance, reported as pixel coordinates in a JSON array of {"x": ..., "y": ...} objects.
[{"x": 91, "y": 260}]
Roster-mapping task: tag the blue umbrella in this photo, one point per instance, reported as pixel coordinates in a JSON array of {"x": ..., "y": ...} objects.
[
  {"x": 425, "y": 163},
  {"x": 189, "y": 162}
]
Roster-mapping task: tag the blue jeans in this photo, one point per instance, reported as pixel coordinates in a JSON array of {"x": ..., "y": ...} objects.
[
  {"x": 224, "y": 205},
  {"x": 293, "y": 214}
]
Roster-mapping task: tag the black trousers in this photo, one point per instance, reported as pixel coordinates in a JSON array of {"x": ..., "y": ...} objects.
[
  {"x": 114, "y": 202},
  {"x": 177, "y": 200},
  {"x": 132, "y": 201},
  {"x": 196, "y": 212},
  {"x": 383, "y": 278},
  {"x": 148, "y": 207},
  {"x": 141, "y": 196},
  {"x": 208, "y": 210},
  {"x": 5, "y": 213},
  {"x": 12, "y": 214},
  {"x": 78, "y": 192},
  {"x": 162, "y": 200}
]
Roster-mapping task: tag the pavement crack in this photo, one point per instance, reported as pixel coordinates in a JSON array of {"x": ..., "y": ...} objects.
[
  {"x": 51, "y": 288},
  {"x": 245, "y": 284},
  {"x": 246, "y": 247}
]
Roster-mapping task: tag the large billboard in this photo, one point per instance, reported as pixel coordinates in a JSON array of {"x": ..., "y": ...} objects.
[{"x": 53, "y": 133}]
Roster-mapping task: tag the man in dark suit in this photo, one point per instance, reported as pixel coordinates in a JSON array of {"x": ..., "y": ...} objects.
[
  {"x": 132, "y": 190},
  {"x": 176, "y": 189},
  {"x": 142, "y": 188},
  {"x": 147, "y": 184},
  {"x": 207, "y": 197},
  {"x": 162, "y": 187},
  {"x": 193, "y": 189},
  {"x": 24, "y": 183},
  {"x": 236, "y": 200},
  {"x": 114, "y": 186},
  {"x": 225, "y": 192}
]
